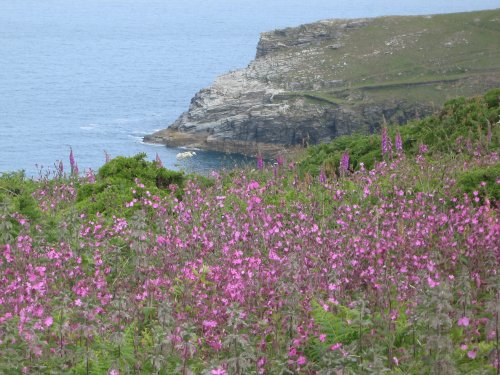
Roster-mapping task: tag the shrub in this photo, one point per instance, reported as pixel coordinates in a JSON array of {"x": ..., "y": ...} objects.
[
  {"x": 117, "y": 178},
  {"x": 492, "y": 98},
  {"x": 483, "y": 180}
]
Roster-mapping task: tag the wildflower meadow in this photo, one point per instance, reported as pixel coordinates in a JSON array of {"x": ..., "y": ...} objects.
[{"x": 359, "y": 257}]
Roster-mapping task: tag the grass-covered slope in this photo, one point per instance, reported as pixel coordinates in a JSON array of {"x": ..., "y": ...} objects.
[
  {"x": 463, "y": 127},
  {"x": 419, "y": 59},
  {"x": 391, "y": 269}
]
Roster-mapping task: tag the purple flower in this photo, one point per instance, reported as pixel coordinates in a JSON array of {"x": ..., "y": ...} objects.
[
  {"x": 322, "y": 176},
  {"x": 399, "y": 142},
  {"x": 302, "y": 360},
  {"x": 471, "y": 354},
  {"x": 464, "y": 321},
  {"x": 71, "y": 158},
  {"x": 423, "y": 148},
  {"x": 158, "y": 161},
  {"x": 90, "y": 176},
  {"x": 344, "y": 163},
  {"x": 386, "y": 142},
  {"x": 72, "y": 163},
  {"x": 260, "y": 163},
  {"x": 336, "y": 346},
  {"x": 48, "y": 321},
  {"x": 60, "y": 168}
]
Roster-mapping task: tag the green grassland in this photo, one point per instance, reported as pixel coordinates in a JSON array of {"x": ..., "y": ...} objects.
[{"x": 422, "y": 59}]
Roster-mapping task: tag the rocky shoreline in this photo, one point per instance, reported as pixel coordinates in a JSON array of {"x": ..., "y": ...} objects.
[{"x": 315, "y": 82}]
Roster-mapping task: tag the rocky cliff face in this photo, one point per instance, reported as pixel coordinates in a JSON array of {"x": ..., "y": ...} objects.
[{"x": 315, "y": 82}]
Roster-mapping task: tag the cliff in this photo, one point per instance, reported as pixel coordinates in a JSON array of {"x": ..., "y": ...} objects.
[{"x": 315, "y": 82}]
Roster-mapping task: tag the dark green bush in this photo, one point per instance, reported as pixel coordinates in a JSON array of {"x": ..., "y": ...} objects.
[
  {"x": 492, "y": 98},
  {"x": 471, "y": 180},
  {"x": 16, "y": 189},
  {"x": 117, "y": 178}
]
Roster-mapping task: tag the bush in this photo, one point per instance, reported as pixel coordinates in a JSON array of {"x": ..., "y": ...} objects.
[
  {"x": 16, "y": 190},
  {"x": 472, "y": 180},
  {"x": 117, "y": 178},
  {"x": 492, "y": 98}
]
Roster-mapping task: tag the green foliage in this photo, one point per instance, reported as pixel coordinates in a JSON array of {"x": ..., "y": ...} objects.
[
  {"x": 17, "y": 190},
  {"x": 463, "y": 125},
  {"x": 117, "y": 179},
  {"x": 118, "y": 353},
  {"x": 336, "y": 326},
  {"x": 473, "y": 179},
  {"x": 16, "y": 196},
  {"x": 362, "y": 149},
  {"x": 492, "y": 98}
]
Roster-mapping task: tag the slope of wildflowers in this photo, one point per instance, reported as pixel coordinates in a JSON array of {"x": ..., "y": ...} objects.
[{"x": 392, "y": 269}]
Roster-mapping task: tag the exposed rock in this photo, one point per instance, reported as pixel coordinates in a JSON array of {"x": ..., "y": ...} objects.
[
  {"x": 327, "y": 30},
  {"x": 315, "y": 82}
]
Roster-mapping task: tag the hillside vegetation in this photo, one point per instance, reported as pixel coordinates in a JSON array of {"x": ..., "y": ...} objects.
[{"x": 318, "y": 266}]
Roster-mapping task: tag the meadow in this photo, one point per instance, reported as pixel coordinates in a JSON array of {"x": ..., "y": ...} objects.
[{"x": 370, "y": 255}]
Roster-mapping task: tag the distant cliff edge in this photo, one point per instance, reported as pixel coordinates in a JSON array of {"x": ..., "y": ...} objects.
[{"x": 311, "y": 83}]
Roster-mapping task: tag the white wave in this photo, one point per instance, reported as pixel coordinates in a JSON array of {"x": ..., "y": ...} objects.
[{"x": 89, "y": 127}]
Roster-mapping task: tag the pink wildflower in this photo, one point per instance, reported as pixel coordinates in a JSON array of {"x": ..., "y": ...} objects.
[
  {"x": 344, "y": 163},
  {"x": 322, "y": 176},
  {"x": 399, "y": 142},
  {"x": 71, "y": 158},
  {"x": 472, "y": 354},
  {"x": 432, "y": 283},
  {"x": 260, "y": 163},
  {"x": 209, "y": 324},
  {"x": 302, "y": 360},
  {"x": 464, "y": 321},
  {"x": 90, "y": 176},
  {"x": 72, "y": 163},
  {"x": 218, "y": 371},
  {"x": 336, "y": 346},
  {"x": 158, "y": 161},
  {"x": 48, "y": 321},
  {"x": 386, "y": 142}
]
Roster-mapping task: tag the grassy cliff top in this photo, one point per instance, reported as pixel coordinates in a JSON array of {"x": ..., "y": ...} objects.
[{"x": 415, "y": 58}]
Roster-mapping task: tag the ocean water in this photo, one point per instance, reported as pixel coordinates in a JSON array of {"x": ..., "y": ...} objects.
[{"x": 98, "y": 75}]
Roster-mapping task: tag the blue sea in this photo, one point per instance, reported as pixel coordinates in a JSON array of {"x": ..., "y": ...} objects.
[{"x": 97, "y": 75}]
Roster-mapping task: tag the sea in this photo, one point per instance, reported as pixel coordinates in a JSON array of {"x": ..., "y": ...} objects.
[{"x": 95, "y": 76}]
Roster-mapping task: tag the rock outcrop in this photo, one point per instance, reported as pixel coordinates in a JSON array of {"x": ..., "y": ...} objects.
[{"x": 315, "y": 82}]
